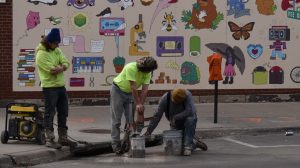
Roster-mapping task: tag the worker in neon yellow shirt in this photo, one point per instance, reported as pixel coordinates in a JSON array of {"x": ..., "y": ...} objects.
[
  {"x": 124, "y": 90},
  {"x": 51, "y": 64}
]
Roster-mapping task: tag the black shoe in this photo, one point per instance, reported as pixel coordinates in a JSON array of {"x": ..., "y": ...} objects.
[
  {"x": 226, "y": 80},
  {"x": 200, "y": 144},
  {"x": 117, "y": 149},
  {"x": 125, "y": 143},
  {"x": 118, "y": 152},
  {"x": 231, "y": 80}
]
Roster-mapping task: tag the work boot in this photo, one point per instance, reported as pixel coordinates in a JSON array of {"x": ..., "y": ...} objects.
[
  {"x": 50, "y": 140},
  {"x": 187, "y": 151},
  {"x": 63, "y": 138},
  {"x": 117, "y": 150},
  {"x": 200, "y": 144},
  {"x": 125, "y": 143}
]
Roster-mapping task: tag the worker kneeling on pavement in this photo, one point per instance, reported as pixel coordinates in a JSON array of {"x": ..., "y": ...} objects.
[{"x": 180, "y": 110}]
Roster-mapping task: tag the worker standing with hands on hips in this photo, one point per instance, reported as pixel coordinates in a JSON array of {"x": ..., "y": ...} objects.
[{"x": 124, "y": 90}]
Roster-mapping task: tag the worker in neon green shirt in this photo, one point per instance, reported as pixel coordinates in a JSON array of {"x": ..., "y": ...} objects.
[
  {"x": 124, "y": 90},
  {"x": 51, "y": 64}
]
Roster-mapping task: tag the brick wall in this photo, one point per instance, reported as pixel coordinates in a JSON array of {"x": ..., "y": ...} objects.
[{"x": 6, "y": 92}]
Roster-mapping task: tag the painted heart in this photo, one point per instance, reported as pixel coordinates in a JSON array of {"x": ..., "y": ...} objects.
[{"x": 255, "y": 51}]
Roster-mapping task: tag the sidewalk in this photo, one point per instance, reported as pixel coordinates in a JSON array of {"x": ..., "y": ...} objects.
[{"x": 233, "y": 118}]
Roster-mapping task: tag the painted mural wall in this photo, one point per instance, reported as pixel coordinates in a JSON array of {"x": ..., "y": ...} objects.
[{"x": 250, "y": 44}]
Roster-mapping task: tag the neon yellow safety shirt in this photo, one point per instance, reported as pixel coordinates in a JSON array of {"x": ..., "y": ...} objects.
[
  {"x": 45, "y": 61},
  {"x": 131, "y": 73}
]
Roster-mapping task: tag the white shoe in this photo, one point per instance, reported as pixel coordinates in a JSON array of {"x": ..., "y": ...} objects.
[{"x": 187, "y": 151}]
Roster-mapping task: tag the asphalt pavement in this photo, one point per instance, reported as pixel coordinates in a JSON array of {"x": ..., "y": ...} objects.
[{"x": 92, "y": 124}]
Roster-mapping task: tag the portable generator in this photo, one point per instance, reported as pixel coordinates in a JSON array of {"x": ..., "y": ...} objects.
[{"x": 23, "y": 122}]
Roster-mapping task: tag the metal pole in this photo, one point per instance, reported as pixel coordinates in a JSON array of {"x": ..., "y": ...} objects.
[
  {"x": 131, "y": 112},
  {"x": 216, "y": 103}
]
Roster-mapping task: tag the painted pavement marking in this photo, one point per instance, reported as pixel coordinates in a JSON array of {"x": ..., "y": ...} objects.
[{"x": 255, "y": 146}]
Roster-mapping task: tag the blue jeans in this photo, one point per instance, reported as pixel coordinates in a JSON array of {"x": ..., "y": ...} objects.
[
  {"x": 120, "y": 102},
  {"x": 280, "y": 54},
  {"x": 188, "y": 126},
  {"x": 55, "y": 99}
]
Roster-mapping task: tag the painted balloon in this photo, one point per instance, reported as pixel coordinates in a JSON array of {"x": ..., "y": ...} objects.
[{"x": 32, "y": 20}]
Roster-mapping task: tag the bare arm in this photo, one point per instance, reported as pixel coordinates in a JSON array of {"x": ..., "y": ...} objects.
[
  {"x": 135, "y": 94},
  {"x": 138, "y": 101},
  {"x": 144, "y": 93}
]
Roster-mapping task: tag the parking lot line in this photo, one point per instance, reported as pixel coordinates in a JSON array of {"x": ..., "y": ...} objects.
[{"x": 255, "y": 146}]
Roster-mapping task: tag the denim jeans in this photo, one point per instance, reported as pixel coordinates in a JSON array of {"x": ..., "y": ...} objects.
[
  {"x": 120, "y": 102},
  {"x": 56, "y": 99},
  {"x": 188, "y": 126},
  {"x": 280, "y": 54}
]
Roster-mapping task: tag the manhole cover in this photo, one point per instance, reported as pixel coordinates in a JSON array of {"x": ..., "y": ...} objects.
[{"x": 96, "y": 131}]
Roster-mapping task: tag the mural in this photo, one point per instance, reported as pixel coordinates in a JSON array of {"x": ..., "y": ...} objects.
[
  {"x": 204, "y": 15},
  {"x": 241, "y": 32},
  {"x": 81, "y": 4},
  {"x": 255, "y": 50},
  {"x": 234, "y": 56},
  {"x": 135, "y": 48},
  {"x": 162, "y": 4},
  {"x": 266, "y": 7},
  {"x": 169, "y": 23},
  {"x": 292, "y": 7},
  {"x": 254, "y": 41},
  {"x": 279, "y": 34},
  {"x": 237, "y": 8}
]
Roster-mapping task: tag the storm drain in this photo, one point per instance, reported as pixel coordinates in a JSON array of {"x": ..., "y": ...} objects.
[{"x": 96, "y": 131}]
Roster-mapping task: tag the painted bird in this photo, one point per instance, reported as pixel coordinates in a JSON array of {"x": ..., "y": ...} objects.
[{"x": 54, "y": 21}]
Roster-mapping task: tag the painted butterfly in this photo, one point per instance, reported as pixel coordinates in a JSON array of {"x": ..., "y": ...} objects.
[{"x": 240, "y": 32}]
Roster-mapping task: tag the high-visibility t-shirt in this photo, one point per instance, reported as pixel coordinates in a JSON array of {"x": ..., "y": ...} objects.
[{"x": 131, "y": 73}]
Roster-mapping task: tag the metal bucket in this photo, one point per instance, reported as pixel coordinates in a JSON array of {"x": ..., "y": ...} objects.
[
  {"x": 172, "y": 142},
  {"x": 137, "y": 147}
]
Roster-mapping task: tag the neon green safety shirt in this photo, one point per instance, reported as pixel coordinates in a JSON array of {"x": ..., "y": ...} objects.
[
  {"x": 131, "y": 73},
  {"x": 45, "y": 61}
]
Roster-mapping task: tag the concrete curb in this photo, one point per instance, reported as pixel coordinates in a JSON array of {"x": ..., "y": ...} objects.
[
  {"x": 46, "y": 156},
  {"x": 5, "y": 161},
  {"x": 38, "y": 157},
  {"x": 24, "y": 159}
]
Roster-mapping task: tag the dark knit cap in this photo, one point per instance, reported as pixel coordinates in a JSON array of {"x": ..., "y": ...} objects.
[{"x": 54, "y": 36}]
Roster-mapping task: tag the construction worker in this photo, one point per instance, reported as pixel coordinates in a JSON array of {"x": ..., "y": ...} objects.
[
  {"x": 51, "y": 64},
  {"x": 180, "y": 110},
  {"x": 124, "y": 90}
]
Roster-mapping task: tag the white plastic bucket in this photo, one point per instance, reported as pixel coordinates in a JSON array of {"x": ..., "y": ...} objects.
[
  {"x": 172, "y": 142},
  {"x": 137, "y": 145}
]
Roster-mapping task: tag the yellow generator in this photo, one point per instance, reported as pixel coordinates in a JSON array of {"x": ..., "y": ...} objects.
[{"x": 23, "y": 122}]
